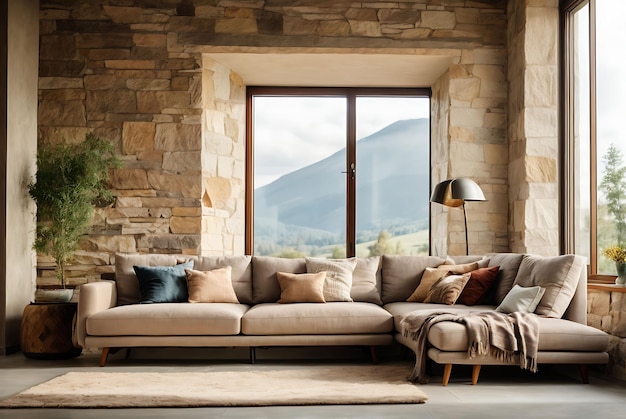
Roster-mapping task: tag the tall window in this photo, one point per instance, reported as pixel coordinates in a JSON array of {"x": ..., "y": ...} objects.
[
  {"x": 595, "y": 105},
  {"x": 338, "y": 172}
]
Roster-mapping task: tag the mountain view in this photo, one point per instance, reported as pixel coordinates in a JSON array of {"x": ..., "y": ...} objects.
[{"x": 305, "y": 209}]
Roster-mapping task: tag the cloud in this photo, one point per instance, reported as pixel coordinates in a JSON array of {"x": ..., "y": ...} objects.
[{"x": 294, "y": 132}]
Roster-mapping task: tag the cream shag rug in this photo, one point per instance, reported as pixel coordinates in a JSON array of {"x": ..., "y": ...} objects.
[{"x": 365, "y": 384}]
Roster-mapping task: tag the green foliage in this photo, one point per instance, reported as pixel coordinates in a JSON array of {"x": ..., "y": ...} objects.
[
  {"x": 291, "y": 254},
  {"x": 613, "y": 185},
  {"x": 382, "y": 245},
  {"x": 338, "y": 252},
  {"x": 70, "y": 181}
]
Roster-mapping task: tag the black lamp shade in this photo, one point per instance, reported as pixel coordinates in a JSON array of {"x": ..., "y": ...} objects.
[{"x": 454, "y": 192}]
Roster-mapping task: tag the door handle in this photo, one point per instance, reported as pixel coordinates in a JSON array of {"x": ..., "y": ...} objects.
[{"x": 352, "y": 171}]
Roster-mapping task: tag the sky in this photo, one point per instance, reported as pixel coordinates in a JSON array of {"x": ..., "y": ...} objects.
[
  {"x": 294, "y": 132},
  {"x": 610, "y": 84}
]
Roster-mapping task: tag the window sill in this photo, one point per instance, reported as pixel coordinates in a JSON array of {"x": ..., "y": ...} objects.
[{"x": 606, "y": 287}]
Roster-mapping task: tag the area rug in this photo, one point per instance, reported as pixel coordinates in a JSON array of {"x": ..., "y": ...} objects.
[{"x": 315, "y": 385}]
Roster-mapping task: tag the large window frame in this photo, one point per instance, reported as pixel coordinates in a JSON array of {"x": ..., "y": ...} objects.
[
  {"x": 569, "y": 9},
  {"x": 351, "y": 94}
]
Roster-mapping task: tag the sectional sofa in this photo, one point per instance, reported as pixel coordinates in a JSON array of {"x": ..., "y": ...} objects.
[{"x": 357, "y": 302}]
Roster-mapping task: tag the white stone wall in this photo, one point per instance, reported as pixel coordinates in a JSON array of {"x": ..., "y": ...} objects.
[
  {"x": 223, "y": 161},
  {"x": 533, "y": 142}
]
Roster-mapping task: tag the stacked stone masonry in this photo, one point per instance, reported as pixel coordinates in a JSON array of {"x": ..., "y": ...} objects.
[
  {"x": 606, "y": 310},
  {"x": 134, "y": 72}
]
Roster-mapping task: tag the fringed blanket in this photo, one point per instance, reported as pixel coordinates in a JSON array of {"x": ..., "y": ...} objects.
[{"x": 510, "y": 337}]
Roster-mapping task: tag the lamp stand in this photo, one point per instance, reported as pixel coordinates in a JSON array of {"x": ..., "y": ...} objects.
[{"x": 466, "y": 240}]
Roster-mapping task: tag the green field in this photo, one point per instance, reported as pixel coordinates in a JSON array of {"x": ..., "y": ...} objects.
[{"x": 411, "y": 243}]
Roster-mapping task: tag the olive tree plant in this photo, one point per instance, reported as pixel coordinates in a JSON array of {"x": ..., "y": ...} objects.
[{"x": 70, "y": 181}]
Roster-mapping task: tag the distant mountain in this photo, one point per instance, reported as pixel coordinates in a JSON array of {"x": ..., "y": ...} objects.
[{"x": 311, "y": 201}]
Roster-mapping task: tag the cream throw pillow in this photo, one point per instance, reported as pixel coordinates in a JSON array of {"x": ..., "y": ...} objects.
[
  {"x": 301, "y": 288},
  {"x": 432, "y": 275},
  {"x": 524, "y": 300},
  {"x": 338, "y": 282},
  {"x": 213, "y": 286},
  {"x": 447, "y": 289}
]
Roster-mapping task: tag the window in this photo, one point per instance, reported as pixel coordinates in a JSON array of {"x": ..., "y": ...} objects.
[
  {"x": 595, "y": 105},
  {"x": 338, "y": 172}
]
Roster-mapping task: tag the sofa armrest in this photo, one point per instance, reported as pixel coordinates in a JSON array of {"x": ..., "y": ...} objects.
[{"x": 93, "y": 297}]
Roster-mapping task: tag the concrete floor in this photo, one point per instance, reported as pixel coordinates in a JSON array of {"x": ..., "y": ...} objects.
[{"x": 502, "y": 392}]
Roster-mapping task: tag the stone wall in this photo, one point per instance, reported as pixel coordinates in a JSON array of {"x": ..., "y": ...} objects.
[
  {"x": 223, "y": 161},
  {"x": 533, "y": 142},
  {"x": 606, "y": 310},
  {"x": 133, "y": 72}
]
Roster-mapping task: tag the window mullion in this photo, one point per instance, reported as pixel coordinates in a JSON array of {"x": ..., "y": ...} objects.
[{"x": 351, "y": 176}]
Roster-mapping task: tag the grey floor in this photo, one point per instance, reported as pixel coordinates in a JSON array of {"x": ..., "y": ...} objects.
[{"x": 502, "y": 392}]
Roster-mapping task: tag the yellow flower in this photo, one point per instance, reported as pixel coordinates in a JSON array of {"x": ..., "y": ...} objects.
[{"x": 615, "y": 253}]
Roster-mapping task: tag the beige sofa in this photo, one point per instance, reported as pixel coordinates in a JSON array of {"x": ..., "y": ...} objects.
[{"x": 109, "y": 316}]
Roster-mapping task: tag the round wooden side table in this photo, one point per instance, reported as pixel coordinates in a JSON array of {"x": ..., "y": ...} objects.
[{"x": 46, "y": 331}]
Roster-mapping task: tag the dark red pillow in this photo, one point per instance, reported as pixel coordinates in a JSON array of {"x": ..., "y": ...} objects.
[{"x": 478, "y": 286}]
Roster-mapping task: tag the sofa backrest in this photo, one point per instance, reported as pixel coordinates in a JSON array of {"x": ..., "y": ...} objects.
[
  {"x": 402, "y": 274},
  {"x": 366, "y": 278},
  {"x": 127, "y": 284},
  {"x": 241, "y": 274},
  {"x": 126, "y": 281}
]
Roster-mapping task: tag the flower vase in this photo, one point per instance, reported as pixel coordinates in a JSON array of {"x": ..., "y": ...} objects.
[{"x": 621, "y": 273}]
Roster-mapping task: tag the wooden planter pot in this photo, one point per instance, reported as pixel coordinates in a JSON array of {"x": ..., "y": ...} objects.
[{"x": 46, "y": 331}]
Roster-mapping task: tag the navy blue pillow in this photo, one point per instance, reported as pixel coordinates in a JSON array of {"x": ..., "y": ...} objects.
[{"x": 163, "y": 284}]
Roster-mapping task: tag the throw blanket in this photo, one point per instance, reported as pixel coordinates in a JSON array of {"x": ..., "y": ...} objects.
[{"x": 510, "y": 337}]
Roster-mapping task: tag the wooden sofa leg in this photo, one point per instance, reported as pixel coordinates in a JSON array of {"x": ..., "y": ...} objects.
[
  {"x": 584, "y": 373},
  {"x": 447, "y": 370},
  {"x": 104, "y": 356},
  {"x": 373, "y": 355},
  {"x": 475, "y": 373},
  {"x": 252, "y": 355}
]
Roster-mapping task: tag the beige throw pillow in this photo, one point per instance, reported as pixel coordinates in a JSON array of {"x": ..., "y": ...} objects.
[
  {"x": 432, "y": 275},
  {"x": 338, "y": 282},
  {"x": 213, "y": 286},
  {"x": 301, "y": 288},
  {"x": 447, "y": 289}
]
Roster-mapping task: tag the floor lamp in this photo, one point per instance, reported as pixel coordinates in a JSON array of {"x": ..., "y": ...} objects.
[{"x": 454, "y": 193}]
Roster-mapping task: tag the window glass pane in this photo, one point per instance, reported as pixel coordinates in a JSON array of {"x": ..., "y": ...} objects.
[
  {"x": 392, "y": 176},
  {"x": 611, "y": 145},
  {"x": 299, "y": 188},
  {"x": 582, "y": 138}
]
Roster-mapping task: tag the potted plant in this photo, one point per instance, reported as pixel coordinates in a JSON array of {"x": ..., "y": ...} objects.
[
  {"x": 70, "y": 181},
  {"x": 618, "y": 255}
]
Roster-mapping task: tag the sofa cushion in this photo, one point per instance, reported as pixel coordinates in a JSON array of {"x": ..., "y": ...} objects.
[
  {"x": 265, "y": 288},
  {"x": 162, "y": 284},
  {"x": 478, "y": 287},
  {"x": 509, "y": 264},
  {"x": 126, "y": 282},
  {"x": 554, "y": 335},
  {"x": 338, "y": 282},
  {"x": 521, "y": 299},
  {"x": 366, "y": 280},
  {"x": 316, "y": 319},
  {"x": 301, "y": 288},
  {"x": 558, "y": 275},
  {"x": 447, "y": 290},
  {"x": 241, "y": 275},
  {"x": 168, "y": 319},
  {"x": 432, "y": 275},
  {"x": 214, "y": 286},
  {"x": 402, "y": 274}
]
